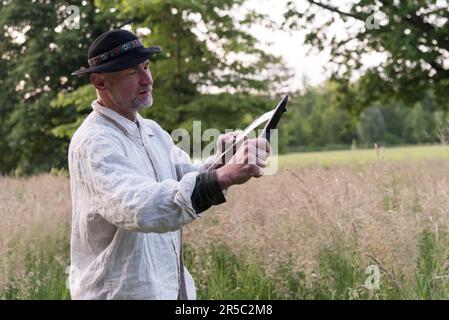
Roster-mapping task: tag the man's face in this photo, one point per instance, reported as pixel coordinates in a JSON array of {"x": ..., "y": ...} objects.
[{"x": 130, "y": 89}]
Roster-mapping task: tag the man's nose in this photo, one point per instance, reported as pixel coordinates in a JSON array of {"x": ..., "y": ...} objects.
[{"x": 146, "y": 78}]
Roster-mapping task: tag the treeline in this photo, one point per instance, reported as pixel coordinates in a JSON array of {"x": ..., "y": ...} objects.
[{"x": 316, "y": 121}]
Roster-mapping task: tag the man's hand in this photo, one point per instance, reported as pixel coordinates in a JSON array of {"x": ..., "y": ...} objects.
[
  {"x": 248, "y": 162},
  {"x": 225, "y": 141}
]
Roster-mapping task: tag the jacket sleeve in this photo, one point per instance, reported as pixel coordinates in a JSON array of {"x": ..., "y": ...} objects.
[
  {"x": 128, "y": 199},
  {"x": 207, "y": 192}
]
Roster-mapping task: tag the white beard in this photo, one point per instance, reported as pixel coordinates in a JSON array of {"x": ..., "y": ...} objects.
[{"x": 145, "y": 104}]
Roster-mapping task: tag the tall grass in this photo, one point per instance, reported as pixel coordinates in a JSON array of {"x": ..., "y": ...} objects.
[
  {"x": 307, "y": 233},
  {"x": 34, "y": 237}
]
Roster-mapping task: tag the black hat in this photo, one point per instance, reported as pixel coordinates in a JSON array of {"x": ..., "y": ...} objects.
[{"x": 116, "y": 50}]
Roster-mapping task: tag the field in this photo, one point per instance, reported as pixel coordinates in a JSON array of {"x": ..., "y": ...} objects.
[
  {"x": 364, "y": 156},
  {"x": 310, "y": 232}
]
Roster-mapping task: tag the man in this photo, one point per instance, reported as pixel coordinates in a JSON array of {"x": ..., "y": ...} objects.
[{"x": 131, "y": 193}]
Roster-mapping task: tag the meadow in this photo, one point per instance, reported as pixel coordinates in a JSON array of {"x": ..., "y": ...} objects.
[{"x": 313, "y": 231}]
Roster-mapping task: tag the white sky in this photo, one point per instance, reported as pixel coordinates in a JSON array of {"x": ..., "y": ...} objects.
[{"x": 290, "y": 46}]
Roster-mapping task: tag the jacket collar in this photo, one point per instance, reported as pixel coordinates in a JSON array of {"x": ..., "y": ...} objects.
[{"x": 127, "y": 126}]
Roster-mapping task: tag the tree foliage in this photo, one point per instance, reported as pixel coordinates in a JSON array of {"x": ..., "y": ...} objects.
[
  {"x": 205, "y": 46},
  {"x": 37, "y": 55},
  {"x": 411, "y": 37}
]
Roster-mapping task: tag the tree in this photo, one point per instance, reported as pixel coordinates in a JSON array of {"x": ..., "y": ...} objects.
[
  {"x": 371, "y": 127},
  {"x": 314, "y": 120},
  {"x": 43, "y": 104},
  {"x": 394, "y": 114},
  {"x": 418, "y": 124},
  {"x": 412, "y": 36},
  {"x": 38, "y": 52},
  {"x": 201, "y": 42}
]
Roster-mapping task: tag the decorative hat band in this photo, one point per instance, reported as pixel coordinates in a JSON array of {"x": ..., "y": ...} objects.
[{"x": 95, "y": 61}]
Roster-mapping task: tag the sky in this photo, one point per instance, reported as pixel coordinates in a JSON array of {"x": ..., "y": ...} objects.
[{"x": 290, "y": 45}]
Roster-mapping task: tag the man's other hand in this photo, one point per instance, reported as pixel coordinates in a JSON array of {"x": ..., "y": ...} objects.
[{"x": 248, "y": 162}]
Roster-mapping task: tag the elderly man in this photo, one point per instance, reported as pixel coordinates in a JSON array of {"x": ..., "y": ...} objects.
[{"x": 131, "y": 193}]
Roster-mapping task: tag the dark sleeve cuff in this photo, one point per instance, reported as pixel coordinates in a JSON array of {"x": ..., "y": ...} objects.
[{"x": 207, "y": 192}]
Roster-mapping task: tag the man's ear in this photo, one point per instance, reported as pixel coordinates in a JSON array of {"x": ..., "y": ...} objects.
[{"x": 98, "y": 81}]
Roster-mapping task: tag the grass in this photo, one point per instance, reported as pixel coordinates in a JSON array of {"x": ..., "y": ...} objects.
[
  {"x": 310, "y": 232},
  {"x": 34, "y": 237},
  {"x": 341, "y": 275},
  {"x": 230, "y": 275},
  {"x": 42, "y": 271},
  {"x": 364, "y": 156}
]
